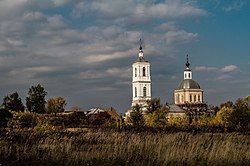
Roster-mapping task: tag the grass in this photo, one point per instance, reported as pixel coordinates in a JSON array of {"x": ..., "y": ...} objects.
[{"x": 111, "y": 147}]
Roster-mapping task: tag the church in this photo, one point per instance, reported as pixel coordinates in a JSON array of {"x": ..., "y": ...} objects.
[{"x": 188, "y": 93}]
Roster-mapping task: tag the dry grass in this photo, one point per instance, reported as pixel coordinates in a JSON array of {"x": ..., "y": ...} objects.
[{"x": 109, "y": 147}]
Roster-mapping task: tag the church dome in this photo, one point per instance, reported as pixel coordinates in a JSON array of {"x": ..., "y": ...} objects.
[{"x": 188, "y": 84}]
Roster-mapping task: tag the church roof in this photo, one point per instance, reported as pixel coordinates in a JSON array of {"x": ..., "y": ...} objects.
[{"x": 188, "y": 84}]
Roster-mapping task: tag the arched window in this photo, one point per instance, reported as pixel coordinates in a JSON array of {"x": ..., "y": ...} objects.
[
  {"x": 135, "y": 92},
  {"x": 194, "y": 98},
  {"x": 178, "y": 98},
  {"x": 135, "y": 72},
  {"x": 189, "y": 76},
  {"x": 144, "y": 91},
  {"x": 190, "y": 98},
  {"x": 199, "y": 98},
  {"x": 185, "y": 75},
  {"x": 143, "y": 71}
]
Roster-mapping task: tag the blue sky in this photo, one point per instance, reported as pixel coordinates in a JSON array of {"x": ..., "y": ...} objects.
[{"x": 83, "y": 49}]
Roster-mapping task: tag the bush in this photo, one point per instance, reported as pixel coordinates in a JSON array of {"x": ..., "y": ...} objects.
[{"x": 23, "y": 119}]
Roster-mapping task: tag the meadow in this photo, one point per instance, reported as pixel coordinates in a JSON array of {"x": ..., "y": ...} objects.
[{"x": 100, "y": 146}]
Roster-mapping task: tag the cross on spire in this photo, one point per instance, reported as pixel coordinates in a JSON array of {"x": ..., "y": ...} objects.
[
  {"x": 140, "y": 45},
  {"x": 187, "y": 63}
]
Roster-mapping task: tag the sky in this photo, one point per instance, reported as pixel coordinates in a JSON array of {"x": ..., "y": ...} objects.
[{"x": 83, "y": 50}]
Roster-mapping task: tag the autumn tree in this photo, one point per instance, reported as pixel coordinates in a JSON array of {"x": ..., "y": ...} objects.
[
  {"x": 225, "y": 116},
  {"x": 35, "y": 102},
  {"x": 158, "y": 118},
  {"x": 13, "y": 102},
  {"x": 56, "y": 105}
]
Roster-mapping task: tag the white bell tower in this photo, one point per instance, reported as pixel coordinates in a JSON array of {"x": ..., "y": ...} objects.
[{"x": 141, "y": 80}]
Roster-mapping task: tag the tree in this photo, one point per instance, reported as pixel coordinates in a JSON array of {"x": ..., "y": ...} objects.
[
  {"x": 5, "y": 116},
  {"x": 136, "y": 116},
  {"x": 56, "y": 104},
  {"x": 153, "y": 105},
  {"x": 227, "y": 104},
  {"x": 35, "y": 102},
  {"x": 225, "y": 116},
  {"x": 13, "y": 102},
  {"x": 158, "y": 118},
  {"x": 241, "y": 115}
]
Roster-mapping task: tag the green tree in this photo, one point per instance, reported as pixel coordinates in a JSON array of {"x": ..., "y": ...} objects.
[
  {"x": 241, "y": 114},
  {"x": 136, "y": 117},
  {"x": 56, "y": 105},
  {"x": 13, "y": 102},
  {"x": 35, "y": 102}
]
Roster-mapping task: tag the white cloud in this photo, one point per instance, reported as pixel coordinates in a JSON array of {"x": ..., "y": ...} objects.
[
  {"x": 169, "y": 26},
  {"x": 111, "y": 72},
  {"x": 56, "y": 22},
  {"x": 34, "y": 16},
  {"x": 138, "y": 12},
  {"x": 59, "y": 3},
  {"x": 229, "y": 68},
  {"x": 225, "y": 69},
  {"x": 205, "y": 69},
  {"x": 224, "y": 77},
  {"x": 179, "y": 36}
]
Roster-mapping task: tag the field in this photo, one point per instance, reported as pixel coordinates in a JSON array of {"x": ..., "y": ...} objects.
[{"x": 113, "y": 147}]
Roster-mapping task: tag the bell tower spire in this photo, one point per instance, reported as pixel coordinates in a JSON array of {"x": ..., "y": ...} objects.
[
  {"x": 141, "y": 54},
  {"x": 187, "y": 71}
]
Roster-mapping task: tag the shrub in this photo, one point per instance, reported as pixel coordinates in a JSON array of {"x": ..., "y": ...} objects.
[{"x": 23, "y": 119}]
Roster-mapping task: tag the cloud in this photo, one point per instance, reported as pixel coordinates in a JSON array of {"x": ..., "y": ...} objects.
[
  {"x": 225, "y": 69},
  {"x": 111, "y": 72},
  {"x": 224, "y": 77},
  {"x": 229, "y": 68},
  {"x": 205, "y": 69},
  {"x": 236, "y": 5},
  {"x": 180, "y": 36},
  {"x": 59, "y": 3},
  {"x": 34, "y": 16},
  {"x": 168, "y": 26},
  {"x": 132, "y": 11}
]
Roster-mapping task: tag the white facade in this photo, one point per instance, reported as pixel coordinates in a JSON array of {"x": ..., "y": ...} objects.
[{"x": 141, "y": 80}]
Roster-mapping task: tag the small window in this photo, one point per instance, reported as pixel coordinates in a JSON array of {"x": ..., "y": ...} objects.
[
  {"x": 144, "y": 92},
  {"x": 199, "y": 98},
  {"x": 135, "y": 72},
  {"x": 194, "y": 98},
  {"x": 135, "y": 92},
  {"x": 185, "y": 75},
  {"x": 144, "y": 71},
  {"x": 190, "y": 98},
  {"x": 189, "y": 76}
]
